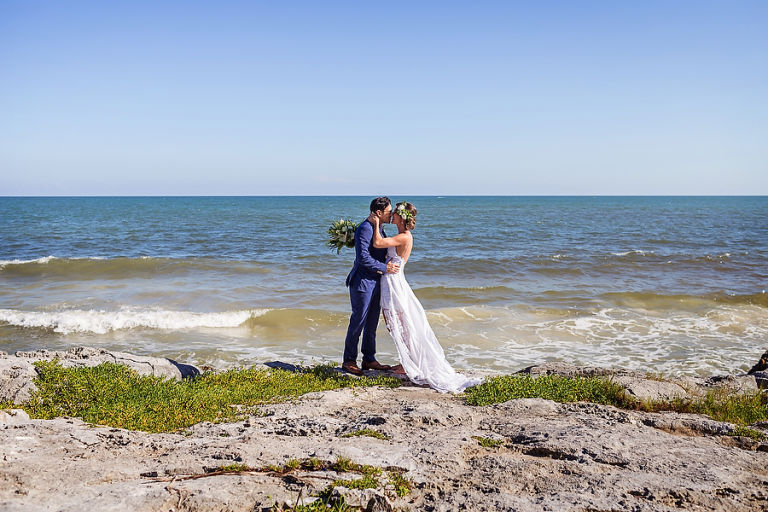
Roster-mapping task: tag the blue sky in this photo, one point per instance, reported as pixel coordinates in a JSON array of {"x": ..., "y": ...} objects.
[{"x": 368, "y": 98}]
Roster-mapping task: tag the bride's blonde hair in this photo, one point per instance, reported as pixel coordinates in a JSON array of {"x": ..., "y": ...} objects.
[{"x": 408, "y": 213}]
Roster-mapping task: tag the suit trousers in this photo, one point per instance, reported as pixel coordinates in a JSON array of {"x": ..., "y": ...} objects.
[{"x": 364, "y": 296}]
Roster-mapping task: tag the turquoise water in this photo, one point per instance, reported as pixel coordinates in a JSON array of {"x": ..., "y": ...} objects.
[{"x": 671, "y": 284}]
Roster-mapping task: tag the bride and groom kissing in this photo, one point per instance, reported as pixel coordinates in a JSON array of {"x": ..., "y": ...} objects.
[{"x": 377, "y": 285}]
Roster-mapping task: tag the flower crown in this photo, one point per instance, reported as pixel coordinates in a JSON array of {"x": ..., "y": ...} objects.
[{"x": 402, "y": 212}]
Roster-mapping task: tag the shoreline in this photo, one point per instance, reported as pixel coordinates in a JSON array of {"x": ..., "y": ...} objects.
[{"x": 521, "y": 454}]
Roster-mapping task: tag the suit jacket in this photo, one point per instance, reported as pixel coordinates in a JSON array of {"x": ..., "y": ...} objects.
[{"x": 369, "y": 261}]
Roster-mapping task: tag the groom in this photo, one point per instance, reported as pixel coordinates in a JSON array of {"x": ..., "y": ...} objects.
[{"x": 365, "y": 290}]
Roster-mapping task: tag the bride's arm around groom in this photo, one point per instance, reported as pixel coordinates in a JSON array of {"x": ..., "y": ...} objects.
[{"x": 365, "y": 263}]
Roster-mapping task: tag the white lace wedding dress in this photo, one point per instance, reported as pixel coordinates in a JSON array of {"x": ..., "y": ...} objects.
[{"x": 420, "y": 353}]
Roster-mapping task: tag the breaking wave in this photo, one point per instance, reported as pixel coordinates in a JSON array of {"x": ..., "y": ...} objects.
[{"x": 99, "y": 322}]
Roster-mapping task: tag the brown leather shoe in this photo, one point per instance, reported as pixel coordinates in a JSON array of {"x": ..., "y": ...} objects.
[
  {"x": 375, "y": 365},
  {"x": 398, "y": 370},
  {"x": 351, "y": 367}
]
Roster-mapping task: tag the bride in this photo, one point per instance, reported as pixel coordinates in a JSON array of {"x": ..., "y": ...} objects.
[{"x": 421, "y": 356}]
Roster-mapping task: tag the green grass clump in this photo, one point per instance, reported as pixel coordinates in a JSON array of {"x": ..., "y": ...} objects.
[
  {"x": 366, "y": 482},
  {"x": 403, "y": 485},
  {"x": 114, "y": 395},
  {"x": 329, "y": 502},
  {"x": 550, "y": 387},
  {"x": 314, "y": 464},
  {"x": 235, "y": 468},
  {"x": 487, "y": 442},
  {"x": 340, "y": 465},
  {"x": 748, "y": 432},
  {"x": 369, "y": 432},
  {"x": 293, "y": 464},
  {"x": 324, "y": 504},
  {"x": 721, "y": 405},
  {"x": 345, "y": 465}
]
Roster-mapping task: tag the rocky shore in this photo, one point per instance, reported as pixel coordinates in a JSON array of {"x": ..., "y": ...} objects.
[{"x": 525, "y": 454}]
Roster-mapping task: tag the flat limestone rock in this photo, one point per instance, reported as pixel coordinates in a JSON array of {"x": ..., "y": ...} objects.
[
  {"x": 13, "y": 416},
  {"x": 654, "y": 390},
  {"x": 734, "y": 383},
  {"x": 17, "y": 372},
  {"x": 643, "y": 386},
  {"x": 538, "y": 406},
  {"x": 16, "y": 380},
  {"x": 548, "y": 456},
  {"x": 89, "y": 356},
  {"x": 571, "y": 370},
  {"x": 523, "y": 454}
]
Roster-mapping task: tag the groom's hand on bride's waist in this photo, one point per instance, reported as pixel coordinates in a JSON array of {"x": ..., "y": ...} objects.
[{"x": 393, "y": 268}]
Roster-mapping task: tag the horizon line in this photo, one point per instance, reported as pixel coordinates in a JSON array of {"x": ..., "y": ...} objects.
[{"x": 364, "y": 195}]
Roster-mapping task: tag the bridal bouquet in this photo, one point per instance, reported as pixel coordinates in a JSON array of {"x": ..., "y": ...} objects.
[{"x": 342, "y": 234}]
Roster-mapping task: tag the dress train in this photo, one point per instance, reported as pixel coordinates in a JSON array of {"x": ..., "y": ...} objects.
[{"x": 420, "y": 353}]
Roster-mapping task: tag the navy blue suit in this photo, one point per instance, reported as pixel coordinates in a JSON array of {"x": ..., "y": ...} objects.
[{"x": 364, "y": 282}]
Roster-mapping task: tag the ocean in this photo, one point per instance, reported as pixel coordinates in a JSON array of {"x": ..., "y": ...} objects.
[{"x": 674, "y": 285}]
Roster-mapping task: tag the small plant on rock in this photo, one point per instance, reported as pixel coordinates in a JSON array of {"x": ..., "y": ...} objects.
[
  {"x": 235, "y": 468},
  {"x": 369, "y": 432},
  {"x": 402, "y": 485},
  {"x": 367, "y": 482},
  {"x": 487, "y": 442},
  {"x": 748, "y": 432}
]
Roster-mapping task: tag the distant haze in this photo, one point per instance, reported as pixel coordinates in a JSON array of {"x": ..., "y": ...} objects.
[{"x": 364, "y": 98}]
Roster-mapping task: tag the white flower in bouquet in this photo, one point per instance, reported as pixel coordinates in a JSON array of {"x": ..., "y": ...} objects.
[{"x": 341, "y": 234}]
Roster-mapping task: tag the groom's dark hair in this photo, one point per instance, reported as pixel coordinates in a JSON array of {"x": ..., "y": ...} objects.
[{"x": 380, "y": 203}]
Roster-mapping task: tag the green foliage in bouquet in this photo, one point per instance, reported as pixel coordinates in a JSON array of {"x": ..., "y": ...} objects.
[{"x": 342, "y": 234}]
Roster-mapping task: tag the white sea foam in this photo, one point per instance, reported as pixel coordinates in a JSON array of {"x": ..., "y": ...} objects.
[
  {"x": 722, "y": 339},
  {"x": 46, "y": 259},
  {"x": 100, "y": 322},
  {"x": 636, "y": 251}
]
